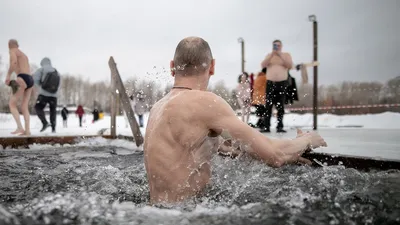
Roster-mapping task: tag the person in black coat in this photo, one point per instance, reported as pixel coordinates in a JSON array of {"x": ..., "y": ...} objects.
[
  {"x": 95, "y": 115},
  {"x": 291, "y": 91},
  {"x": 64, "y": 115}
]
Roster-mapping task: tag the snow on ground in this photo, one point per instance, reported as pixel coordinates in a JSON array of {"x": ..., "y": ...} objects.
[
  {"x": 386, "y": 120},
  {"x": 88, "y": 128},
  {"x": 378, "y": 136}
]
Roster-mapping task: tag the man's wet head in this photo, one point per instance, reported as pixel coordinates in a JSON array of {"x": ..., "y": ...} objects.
[
  {"x": 192, "y": 57},
  {"x": 12, "y": 43}
]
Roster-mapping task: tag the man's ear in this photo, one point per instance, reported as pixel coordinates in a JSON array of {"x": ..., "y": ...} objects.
[
  {"x": 212, "y": 67},
  {"x": 172, "y": 68}
]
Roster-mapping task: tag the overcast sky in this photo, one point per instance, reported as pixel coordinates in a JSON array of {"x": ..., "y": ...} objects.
[{"x": 358, "y": 39}]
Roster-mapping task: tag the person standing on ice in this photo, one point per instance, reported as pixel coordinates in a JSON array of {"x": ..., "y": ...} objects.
[
  {"x": 243, "y": 94},
  {"x": 259, "y": 96},
  {"x": 47, "y": 79},
  {"x": 95, "y": 115},
  {"x": 278, "y": 64},
  {"x": 140, "y": 107},
  {"x": 79, "y": 111},
  {"x": 64, "y": 115},
  {"x": 19, "y": 64}
]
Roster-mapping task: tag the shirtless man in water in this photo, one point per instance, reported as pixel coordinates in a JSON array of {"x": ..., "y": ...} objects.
[
  {"x": 19, "y": 64},
  {"x": 183, "y": 129}
]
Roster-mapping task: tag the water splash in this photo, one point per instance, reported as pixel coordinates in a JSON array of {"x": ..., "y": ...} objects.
[{"x": 88, "y": 185}]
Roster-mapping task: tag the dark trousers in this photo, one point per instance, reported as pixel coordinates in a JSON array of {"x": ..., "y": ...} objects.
[
  {"x": 41, "y": 102},
  {"x": 140, "y": 120},
  {"x": 276, "y": 93},
  {"x": 260, "y": 113},
  {"x": 65, "y": 122},
  {"x": 80, "y": 121}
]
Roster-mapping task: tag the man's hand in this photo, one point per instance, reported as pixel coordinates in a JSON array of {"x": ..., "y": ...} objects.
[
  {"x": 316, "y": 140},
  {"x": 7, "y": 82},
  {"x": 299, "y": 133}
]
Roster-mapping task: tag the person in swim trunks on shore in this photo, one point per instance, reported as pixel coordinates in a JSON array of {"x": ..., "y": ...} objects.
[
  {"x": 184, "y": 129},
  {"x": 19, "y": 63}
]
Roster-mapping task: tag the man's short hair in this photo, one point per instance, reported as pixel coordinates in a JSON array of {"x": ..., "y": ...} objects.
[
  {"x": 192, "y": 56},
  {"x": 277, "y": 40},
  {"x": 13, "y": 42}
]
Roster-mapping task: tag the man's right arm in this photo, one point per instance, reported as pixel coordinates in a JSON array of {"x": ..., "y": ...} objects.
[
  {"x": 13, "y": 65},
  {"x": 273, "y": 152},
  {"x": 265, "y": 63},
  {"x": 37, "y": 76}
]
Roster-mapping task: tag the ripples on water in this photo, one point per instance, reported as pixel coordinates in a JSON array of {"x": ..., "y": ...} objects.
[{"x": 108, "y": 185}]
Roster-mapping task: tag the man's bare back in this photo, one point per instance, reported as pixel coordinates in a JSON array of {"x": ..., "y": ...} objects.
[
  {"x": 183, "y": 130},
  {"x": 182, "y": 145},
  {"x": 22, "y": 66}
]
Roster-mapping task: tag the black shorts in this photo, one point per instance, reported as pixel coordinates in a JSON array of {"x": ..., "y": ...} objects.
[{"x": 28, "y": 80}]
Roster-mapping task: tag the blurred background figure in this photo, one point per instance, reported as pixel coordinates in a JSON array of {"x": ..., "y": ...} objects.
[
  {"x": 140, "y": 107},
  {"x": 259, "y": 97},
  {"x": 95, "y": 115},
  {"x": 243, "y": 91},
  {"x": 79, "y": 112},
  {"x": 64, "y": 115},
  {"x": 47, "y": 80}
]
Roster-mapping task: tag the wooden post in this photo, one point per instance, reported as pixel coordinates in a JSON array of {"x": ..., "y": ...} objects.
[
  {"x": 117, "y": 103},
  {"x": 113, "y": 111},
  {"x": 315, "y": 94},
  {"x": 137, "y": 135},
  {"x": 313, "y": 19},
  {"x": 243, "y": 57},
  {"x": 241, "y": 41}
]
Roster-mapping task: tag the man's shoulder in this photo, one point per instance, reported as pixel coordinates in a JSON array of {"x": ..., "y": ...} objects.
[
  {"x": 49, "y": 69},
  {"x": 208, "y": 103},
  {"x": 204, "y": 96},
  {"x": 195, "y": 99}
]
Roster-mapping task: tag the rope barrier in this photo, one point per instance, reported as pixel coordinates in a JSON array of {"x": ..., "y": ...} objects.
[{"x": 345, "y": 107}]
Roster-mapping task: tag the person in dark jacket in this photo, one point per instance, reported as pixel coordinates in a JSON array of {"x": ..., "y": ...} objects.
[
  {"x": 64, "y": 115},
  {"x": 95, "y": 115},
  {"x": 45, "y": 97},
  {"x": 291, "y": 93}
]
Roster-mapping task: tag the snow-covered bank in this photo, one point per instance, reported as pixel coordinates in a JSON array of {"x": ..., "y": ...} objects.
[{"x": 378, "y": 137}]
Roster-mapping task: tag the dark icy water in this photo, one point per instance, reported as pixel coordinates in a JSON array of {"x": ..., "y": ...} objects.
[{"x": 100, "y": 183}]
